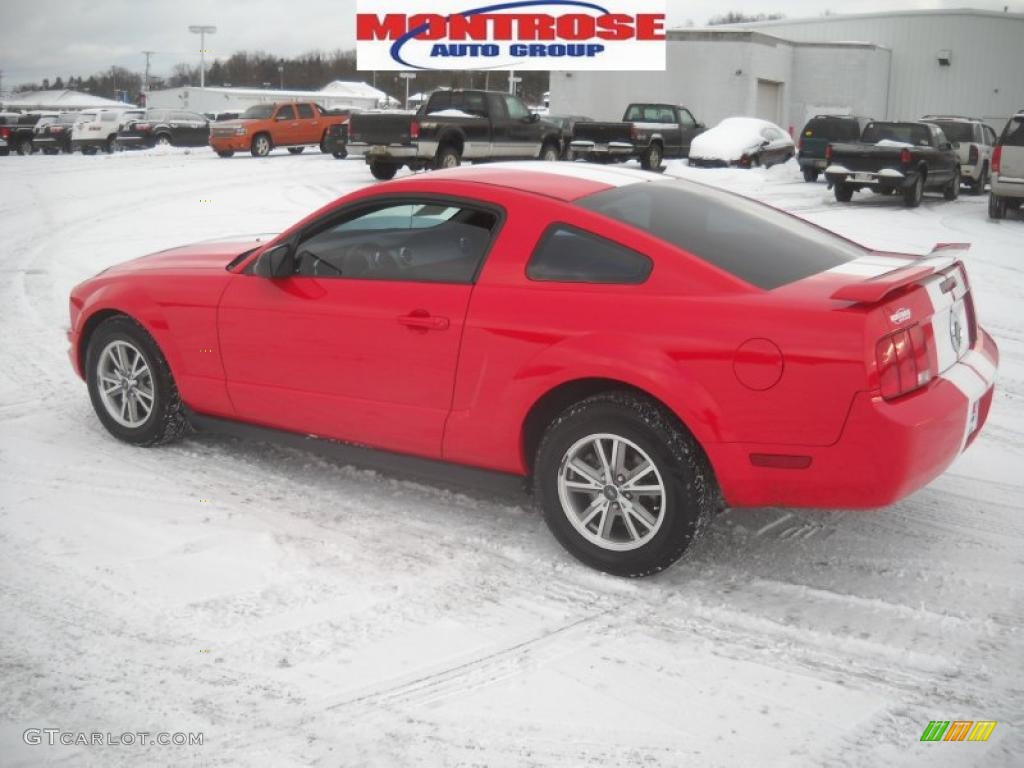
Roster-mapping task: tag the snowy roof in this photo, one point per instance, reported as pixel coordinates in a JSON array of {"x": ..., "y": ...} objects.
[
  {"x": 60, "y": 100},
  {"x": 356, "y": 90}
]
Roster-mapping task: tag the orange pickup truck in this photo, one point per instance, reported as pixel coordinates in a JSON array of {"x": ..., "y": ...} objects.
[{"x": 261, "y": 128}]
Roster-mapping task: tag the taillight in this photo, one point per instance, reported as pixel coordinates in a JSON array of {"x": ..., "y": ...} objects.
[
  {"x": 828, "y": 152},
  {"x": 997, "y": 155},
  {"x": 905, "y": 156},
  {"x": 414, "y": 129},
  {"x": 745, "y": 161},
  {"x": 5, "y": 133},
  {"x": 903, "y": 362},
  {"x": 972, "y": 156},
  {"x": 142, "y": 126}
]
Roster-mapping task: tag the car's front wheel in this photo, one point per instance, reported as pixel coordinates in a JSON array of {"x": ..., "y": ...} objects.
[
  {"x": 261, "y": 145},
  {"x": 622, "y": 485},
  {"x": 130, "y": 384},
  {"x": 295, "y": 150},
  {"x": 225, "y": 153}
]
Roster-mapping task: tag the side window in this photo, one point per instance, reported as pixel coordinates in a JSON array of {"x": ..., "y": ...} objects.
[
  {"x": 569, "y": 255},
  {"x": 285, "y": 113},
  {"x": 183, "y": 117},
  {"x": 108, "y": 117},
  {"x": 516, "y": 109},
  {"x": 305, "y": 112},
  {"x": 432, "y": 242},
  {"x": 686, "y": 119},
  {"x": 497, "y": 107}
]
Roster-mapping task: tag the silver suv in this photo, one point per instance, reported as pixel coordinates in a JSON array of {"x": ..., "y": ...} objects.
[
  {"x": 1008, "y": 169},
  {"x": 973, "y": 141}
]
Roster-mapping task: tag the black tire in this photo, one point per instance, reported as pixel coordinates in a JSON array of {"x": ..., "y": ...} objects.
[
  {"x": 912, "y": 195},
  {"x": 447, "y": 156},
  {"x": 843, "y": 192},
  {"x": 261, "y": 145},
  {"x": 996, "y": 206},
  {"x": 952, "y": 190},
  {"x": 383, "y": 171},
  {"x": 810, "y": 175},
  {"x": 651, "y": 159},
  {"x": 341, "y": 154},
  {"x": 978, "y": 185},
  {"x": 690, "y": 495},
  {"x": 295, "y": 150},
  {"x": 225, "y": 153},
  {"x": 162, "y": 140},
  {"x": 25, "y": 147},
  {"x": 49, "y": 151},
  {"x": 4, "y": 152},
  {"x": 110, "y": 145},
  {"x": 167, "y": 421},
  {"x": 550, "y": 153}
]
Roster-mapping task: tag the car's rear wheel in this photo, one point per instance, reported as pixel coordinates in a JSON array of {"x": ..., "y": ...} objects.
[
  {"x": 952, "y": 190},
  {"x": 622, "y": 485},
  {"x": 651, "y": 159},
  {"x": 225, "y": 152},
  {"x": 260, "y": 145},
  {"x": 130, "y": 384},
  {"x": 550, "y": 153},
  {"x": 110, "y": 145},
  {"x": 383, "y": 171},
  {"x": 810, "y": 174},
  {"x": 25, "y": 147},
  {"x": 978, "y": 185},
  {"x": 341, "y": 154},
  {"x": 447, "y": 156},
  {"x": 295, "y": 150},
  {"x": 843, "y": 192},
  {"x": 912, "y": 194},
  {"x": 996, "y": 206},
  {"x": 163, "y": 140}
]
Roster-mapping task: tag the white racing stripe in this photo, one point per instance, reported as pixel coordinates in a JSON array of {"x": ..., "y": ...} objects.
[
  {"x": 613, "y": 177},
  {"x": 981, "y": 364},
  {"x": 972, "y": 386},
  {"x": 870, "y": 266}
]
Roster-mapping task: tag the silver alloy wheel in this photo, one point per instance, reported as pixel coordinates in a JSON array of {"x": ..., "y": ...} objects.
[
  {"x": 450, "y": 160},
  {"x": 654, "y": 157},
  {"x": 125, "y": 384},
  {"x": 612, "y": 492},
  {"x": 262, "y": 146},
  {"x": 163, "y": 140},
  {"x": 550, "y": 154}
]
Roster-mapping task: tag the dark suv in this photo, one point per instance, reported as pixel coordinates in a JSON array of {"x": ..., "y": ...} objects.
[
  {"x": 165, "y": 127},
  {"x": 820, "y": 131}
]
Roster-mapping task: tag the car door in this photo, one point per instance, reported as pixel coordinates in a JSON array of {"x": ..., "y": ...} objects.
[
  {"x": 501, "y": 140},
  {"x": 943, "y": 161},
  {"x": 309, "y": 124},
  {"x": 286, "y": 126},
  {"x": 670, "y": 132},
  {"x": 687, "y": 131},
  {"x": 360, "y": 342},
  {"x": 524, "y": 129}
]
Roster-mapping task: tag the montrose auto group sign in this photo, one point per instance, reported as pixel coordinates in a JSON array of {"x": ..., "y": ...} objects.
[{"x": 519, "y": 34}]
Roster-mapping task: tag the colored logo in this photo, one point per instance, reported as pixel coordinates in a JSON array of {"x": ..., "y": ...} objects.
[
  {"x": 958, "y": 730},
  {"x": 516, "y": 34}
]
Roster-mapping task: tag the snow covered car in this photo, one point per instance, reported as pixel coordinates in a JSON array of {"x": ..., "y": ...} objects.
[
  {"x": 645, "y": 349},
  {"x": 742, "y": 142}
]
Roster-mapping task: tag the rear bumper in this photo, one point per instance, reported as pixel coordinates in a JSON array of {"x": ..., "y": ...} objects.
[
  {"x": 887, "y": 450},
  {"x": 886, "y": 177},
  {"x": 1007, "y": 187},
  {"x": 609, "y": 149},
  {"x": 388, "y": 152},
  {"x": 817, "y": 163}
]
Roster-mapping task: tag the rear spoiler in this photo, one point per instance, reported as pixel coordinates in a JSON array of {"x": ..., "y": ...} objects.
[{"x": 874, "y": 289}]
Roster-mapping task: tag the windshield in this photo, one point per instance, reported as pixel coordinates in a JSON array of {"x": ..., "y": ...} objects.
[
  {"x": 258, "y": 112},
  {"x": 755, "y": 242},
  {"x": 957, "y": 131},
  {"x": 907, "y": 133}
]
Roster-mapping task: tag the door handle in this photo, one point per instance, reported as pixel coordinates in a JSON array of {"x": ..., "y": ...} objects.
[{"x": 422, "y": 320}]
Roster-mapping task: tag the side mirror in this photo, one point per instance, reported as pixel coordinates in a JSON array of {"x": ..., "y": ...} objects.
[
  {"x": 533, "y": 118},
  {"x": 945, "y": 145},
  {"x": 275, "y": 263}
]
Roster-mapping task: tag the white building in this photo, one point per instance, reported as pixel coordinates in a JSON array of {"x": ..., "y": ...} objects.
[
  {"x": 905, "y": 64},
  {"x": 220, "y": 99},
  {"x": 57, "y": 101}
]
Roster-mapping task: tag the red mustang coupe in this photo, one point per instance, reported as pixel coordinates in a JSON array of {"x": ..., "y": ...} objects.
[{"x": 645, "y": 349}]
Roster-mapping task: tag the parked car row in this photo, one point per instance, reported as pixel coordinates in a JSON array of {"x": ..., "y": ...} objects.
[{"x": 938, "y": 153}]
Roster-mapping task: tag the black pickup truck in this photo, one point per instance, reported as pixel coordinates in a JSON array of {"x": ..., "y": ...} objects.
[
  {"x": 908, "y": 158},
  {"x": 649, "y": 132},
  {"x": 451, "y": 127},
  {"x": 17, "y": 131}
]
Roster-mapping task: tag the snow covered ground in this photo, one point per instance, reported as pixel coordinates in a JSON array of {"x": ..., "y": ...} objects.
[{"x": 300, "y": 612}]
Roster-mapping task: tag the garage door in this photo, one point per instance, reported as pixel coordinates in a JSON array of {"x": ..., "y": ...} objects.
[{"x": 769, "y": 100}]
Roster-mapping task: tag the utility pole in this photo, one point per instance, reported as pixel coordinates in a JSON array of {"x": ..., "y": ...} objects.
[
  {"x": 145, "y": 80},
  {"x": 202, "y": 30},
  {"x": 512, "y": 80}
]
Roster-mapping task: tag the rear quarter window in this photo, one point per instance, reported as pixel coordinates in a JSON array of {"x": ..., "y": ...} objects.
[
  {"x": 1013, "y": 133},
  {"x": 566, "y": 254},
  {"x": 754, "y": 242},
  {"x": 832, "y": 128}
]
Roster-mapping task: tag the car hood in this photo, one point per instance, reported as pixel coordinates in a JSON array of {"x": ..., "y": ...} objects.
[{"x": 206, "y": 255}]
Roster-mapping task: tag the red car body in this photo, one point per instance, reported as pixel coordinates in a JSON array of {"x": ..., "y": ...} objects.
[{"x": 849, "y": 387}]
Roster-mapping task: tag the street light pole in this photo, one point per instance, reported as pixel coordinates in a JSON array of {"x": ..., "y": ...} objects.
[
  {"x": 407, "y": 76},
  {"x": 280, "y": 71},
  {"x": 512, "y": 80},
  {"x": 202, "y": 30}
]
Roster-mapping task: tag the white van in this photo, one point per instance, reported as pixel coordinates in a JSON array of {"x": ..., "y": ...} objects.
[{"x": 97, "y": 129}]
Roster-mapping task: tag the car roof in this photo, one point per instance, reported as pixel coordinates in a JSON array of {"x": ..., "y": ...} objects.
[{"x": 561, "y": 181}]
